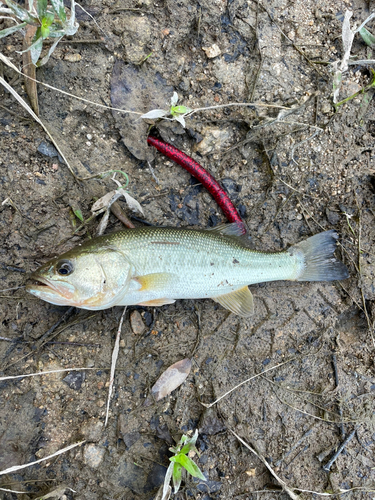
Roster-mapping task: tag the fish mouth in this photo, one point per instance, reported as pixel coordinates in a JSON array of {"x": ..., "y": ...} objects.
[{"x": 55, "y": 292}]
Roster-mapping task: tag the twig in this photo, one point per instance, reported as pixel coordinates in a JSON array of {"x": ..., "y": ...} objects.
[
  {"x": 13, "y": 491},
  {"x": 15, "y": 114},
  {"x": 335, "y": 371},
  {"x": 153, "y": 173},
  {"x": 63, "y": 318},
  {"x": 16, "y": 468},
  {"x": 7, "y": 61},
  {"x": 328, "y": 465},
  {"x": 369, "y": 324},
  {"x": 291, "y": 41},
  {"x": 293, "y": 447},
  {"x": 119, "y": 213},
  {"x": 28, "y": 65},
  {"x": 245, "y": 382},
  {"x": 13, "y": 377},
  {"x": 238, "y": 104},
  {"x": 302, "y": 142},
  {"x": 295, "y": 493},
  {"x": 99, "y": 40},
  {"x": 115, "y": 352},
  {"x": 282, "y": 483}
]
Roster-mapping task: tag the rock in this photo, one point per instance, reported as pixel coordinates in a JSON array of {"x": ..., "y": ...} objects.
[
  {"x": 92, "y": 430},
  {"x": 155, "y": 477},
  {"x": 48, "y": 149},
  {"x": 129, "y": 475},
  {"x": 93, "y": 455},
  {"x": 75, "y": 379},
  {"x": 333, "y": 217},
  {"x": 326, "y": 108},
  {"x": 214, "y": 138},
  {"x": 232, "y": 188},
  {"x": 130, "y": 438},
  {"x": 212, "y": 51},
  {"x": 136, "y": 323},
  {"x": 184, "y": 85},
  {"x": 210, "y": 424},
  {"x": 73, "y": 57}
]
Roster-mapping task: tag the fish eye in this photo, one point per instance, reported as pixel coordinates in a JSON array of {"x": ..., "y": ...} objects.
[{"x": 64, "y": 267}]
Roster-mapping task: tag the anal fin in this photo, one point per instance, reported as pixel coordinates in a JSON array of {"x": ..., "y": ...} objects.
[
  {"x": 240, "y": 302},
  {"x": 156, "y": 302}
]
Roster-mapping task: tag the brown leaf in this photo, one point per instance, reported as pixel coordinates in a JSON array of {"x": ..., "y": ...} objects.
[{"x": 172, "y": 378}]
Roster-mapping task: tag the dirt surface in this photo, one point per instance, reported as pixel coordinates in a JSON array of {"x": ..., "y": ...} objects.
[{"x": 288, "y": 182}]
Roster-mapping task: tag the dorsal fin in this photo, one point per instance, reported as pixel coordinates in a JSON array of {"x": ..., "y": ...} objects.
[
  {"x": 225, "y": 229},
  {"x": 233, "y": 231}
]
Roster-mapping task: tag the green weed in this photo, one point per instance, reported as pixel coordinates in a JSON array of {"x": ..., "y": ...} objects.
[
  {"x": 50, "y": 19},
  {"x": 181, "y": 463}
]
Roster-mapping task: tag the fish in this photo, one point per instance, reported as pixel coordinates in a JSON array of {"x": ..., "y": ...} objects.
[{"x": 153, "y": 266}]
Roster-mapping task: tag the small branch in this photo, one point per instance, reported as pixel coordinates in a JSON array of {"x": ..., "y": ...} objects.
[
  {"x": 115, "y": 352},
  {"x": 328, "y": 465},
  {"x": 16, "y": 468}
]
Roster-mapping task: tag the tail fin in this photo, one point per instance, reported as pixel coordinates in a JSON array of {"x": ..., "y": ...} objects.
[{"x": 319, "y": 261}]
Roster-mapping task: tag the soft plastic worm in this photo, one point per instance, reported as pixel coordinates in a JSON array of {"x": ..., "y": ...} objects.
[{"x": 204, "y": 177}]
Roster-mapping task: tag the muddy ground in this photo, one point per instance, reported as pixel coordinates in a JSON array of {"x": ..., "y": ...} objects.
[{"x": 288, "y": 184}]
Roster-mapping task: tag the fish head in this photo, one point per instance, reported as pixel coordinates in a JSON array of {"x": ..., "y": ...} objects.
[{"x": 89, "y": 278}]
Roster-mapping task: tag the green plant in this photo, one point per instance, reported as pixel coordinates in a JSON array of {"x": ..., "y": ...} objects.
[
  {"x": 181, "y": 462},
  {"x": 176, "y": 112},
  {"x": 50, "y": 20}
]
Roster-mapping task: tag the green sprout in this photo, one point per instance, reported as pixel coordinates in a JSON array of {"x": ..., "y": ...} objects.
[
  {"x": 181, "y": 462},
  {"x": 367, "y": 37},
  {"x": 176, "y": 112},
  {"x": 50, "y": 20}
]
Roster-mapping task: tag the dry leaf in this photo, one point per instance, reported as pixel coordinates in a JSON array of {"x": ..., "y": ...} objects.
[
  {"x": 172, "y": 378},
  {"x": 103, "y": 201}
]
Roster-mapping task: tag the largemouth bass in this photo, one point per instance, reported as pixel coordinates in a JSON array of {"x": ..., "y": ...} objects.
[{"x": 156, "y": 265}]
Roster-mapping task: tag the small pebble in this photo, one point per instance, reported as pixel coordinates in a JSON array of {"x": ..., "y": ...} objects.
[
  {"x": 73, "y": 57},
  {"x": 212, "y": 51},
  {"x": 93, "y": 455},
  {"x": 136, "y": 323}
]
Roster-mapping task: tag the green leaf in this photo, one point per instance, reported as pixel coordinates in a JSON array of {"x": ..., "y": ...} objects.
[
  {"x": 48, "y": 19},
  {"x": 44, "y": 31},
  {"x": 36, "y": 49},
  {"x": 44, "y": 59},
  {"x": 367, "y": 37},
  {"x": 177, "y": 476},
  {"x": 46, "y": 23},
  {"x": 185, "y": 449},
  {"x": 41, "y": 7},
  {"x": 78, "y": 214},
  {"x": 13, "y": 29},
  {"x": 59, "y": 8},
  {"x": 189, "y": 465},
  {"x": 180, "y": 110},
  {"x": 180, "y": 119},
  {"x": 21, "y": 13}
]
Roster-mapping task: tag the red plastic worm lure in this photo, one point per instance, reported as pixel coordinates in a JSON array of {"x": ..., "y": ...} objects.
[{"x": 204, "y": 177}]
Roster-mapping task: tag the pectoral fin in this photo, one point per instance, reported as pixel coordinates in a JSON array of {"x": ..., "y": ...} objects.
[
  {"x": 239, "y": 302},
  {"x": 153, "y": 282}
]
